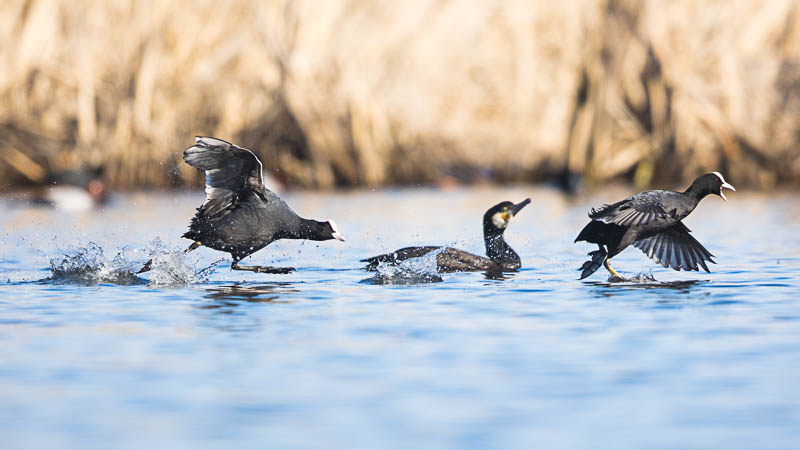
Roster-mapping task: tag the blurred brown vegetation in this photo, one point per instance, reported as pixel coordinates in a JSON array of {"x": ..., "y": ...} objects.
[{"x": 372, "y": 92}]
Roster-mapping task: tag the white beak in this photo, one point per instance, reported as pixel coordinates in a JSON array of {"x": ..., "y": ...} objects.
[
  {"x": 335, "y": 234},
  {"x": 727, "y": 186}
]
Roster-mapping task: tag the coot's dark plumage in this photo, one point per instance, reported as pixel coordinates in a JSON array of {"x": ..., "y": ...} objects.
[
  {"x": 501, "y": 257},
  {"x": 651, "y": 221},
  {"x": 241, "y": 216}
]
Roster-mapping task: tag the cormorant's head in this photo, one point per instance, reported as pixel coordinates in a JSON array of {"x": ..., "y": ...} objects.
[
  {"x": 711, "y": 183},
  {"x": 499, "y": 215}
]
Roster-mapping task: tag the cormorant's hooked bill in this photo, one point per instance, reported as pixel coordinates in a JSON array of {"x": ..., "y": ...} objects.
[{"x": 518, "y": 207}]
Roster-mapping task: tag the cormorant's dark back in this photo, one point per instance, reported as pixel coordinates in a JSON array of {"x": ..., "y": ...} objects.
[
  {"x": 501, "y": 257},
  {"x": 651, "y": 221},
  {"x": 240, "y": 215}
]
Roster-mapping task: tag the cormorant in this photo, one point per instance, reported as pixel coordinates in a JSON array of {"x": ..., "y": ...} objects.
[{"x": 501, "y": 257}]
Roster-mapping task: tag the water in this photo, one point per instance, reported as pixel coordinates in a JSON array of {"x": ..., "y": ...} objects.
[{"x": 193, "y": 355}]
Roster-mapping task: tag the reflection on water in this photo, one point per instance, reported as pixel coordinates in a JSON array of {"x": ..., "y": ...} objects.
[
  {"x": 403, "y": 279},
  {"x": 498, "y": 275},
  {"x": 626, "y": 285},
  {"x": 258, "y": 293},
  {"x": 198, "y": 355}
]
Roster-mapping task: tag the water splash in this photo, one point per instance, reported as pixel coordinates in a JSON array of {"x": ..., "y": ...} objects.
[
  {"x": 646, "y": 280},
  {"x": 169, "y": 267},
  {"x": 410, "y": 271},
  {"x": 89, "y": 265},
  {"x": 640, "y": 277}
]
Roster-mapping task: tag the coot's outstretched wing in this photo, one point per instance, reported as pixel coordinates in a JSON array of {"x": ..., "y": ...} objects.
[
  {"x": 641, "y": 209},
  {"x": 230, "y": 172},
  {"x": 675, "y": 247}
]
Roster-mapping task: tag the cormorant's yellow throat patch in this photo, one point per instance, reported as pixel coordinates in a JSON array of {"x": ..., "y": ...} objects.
[{"x": 500, "y": 219}]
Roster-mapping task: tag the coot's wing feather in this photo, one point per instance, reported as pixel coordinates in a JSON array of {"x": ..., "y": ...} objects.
[
  {"x": 676, "y": 248},
  {"x": 230, "y": 171},
  {"x": 641, "y": 209}
]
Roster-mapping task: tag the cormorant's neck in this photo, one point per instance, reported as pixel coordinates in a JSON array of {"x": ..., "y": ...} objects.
[{"x": 498, "y": 250}]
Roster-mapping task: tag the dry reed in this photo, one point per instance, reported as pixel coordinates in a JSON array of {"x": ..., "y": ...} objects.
[{"x": 372, "y": 92}]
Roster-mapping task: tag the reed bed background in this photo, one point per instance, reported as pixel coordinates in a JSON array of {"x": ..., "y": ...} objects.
[{"x": 372, "y": 93}]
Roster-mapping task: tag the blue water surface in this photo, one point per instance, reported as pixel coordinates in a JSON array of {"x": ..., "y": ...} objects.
[{"x": 196, "y": 356}]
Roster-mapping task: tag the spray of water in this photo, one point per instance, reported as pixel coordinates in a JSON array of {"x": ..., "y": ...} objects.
[
  {"x": 411, "y": 271},
  {"x": 90, "y": 265},
  {"x": 640, "y": 277}
]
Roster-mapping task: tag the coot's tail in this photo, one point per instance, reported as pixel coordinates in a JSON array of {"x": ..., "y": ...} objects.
[
  {"x": 591, "y": 266},
  {"x": 594, "y": 231}
]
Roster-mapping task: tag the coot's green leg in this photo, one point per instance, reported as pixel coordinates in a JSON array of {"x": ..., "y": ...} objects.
[
  {"x": 194, "y": 245},
  {"x": 608, "y": 267}
]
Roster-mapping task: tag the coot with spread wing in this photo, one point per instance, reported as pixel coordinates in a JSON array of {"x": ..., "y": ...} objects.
[
  {"x": 240, "y": 215},
  {"x": 651, "y": 221}
]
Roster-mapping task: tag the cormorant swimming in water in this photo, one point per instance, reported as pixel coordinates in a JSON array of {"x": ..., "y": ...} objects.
[
  {"x": 651, "y": 221},
  {"x": 501, "y": 257},
  {"x": 241, "y": 216}
]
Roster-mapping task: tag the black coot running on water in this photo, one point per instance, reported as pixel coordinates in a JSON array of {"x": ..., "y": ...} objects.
[
  {"x": 651, "y": 221},
  {"x": 241, "y": 216},
  {"x": 501, "y": 257}
]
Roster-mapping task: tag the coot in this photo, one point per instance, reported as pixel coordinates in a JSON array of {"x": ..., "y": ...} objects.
[
  {"x": 240, "y": 216},
  {"x": 651, "y": 221}
]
